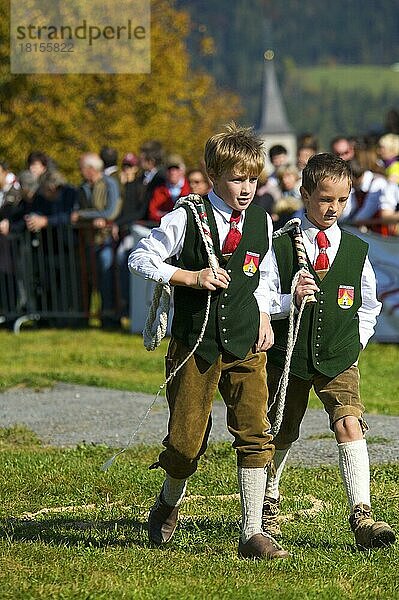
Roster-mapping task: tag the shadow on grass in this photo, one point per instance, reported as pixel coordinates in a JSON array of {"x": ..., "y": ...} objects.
[
  {"x": 193, "y": 536},
  {"x": 72, "y": 532},
  {"x": 124, "y": 532}
]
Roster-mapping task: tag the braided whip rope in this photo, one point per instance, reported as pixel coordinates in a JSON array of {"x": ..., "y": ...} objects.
[
  {"x": 155, "y": 328},
  {"x": 280, "y": 395},
  {"x": 154, "y": 332}
]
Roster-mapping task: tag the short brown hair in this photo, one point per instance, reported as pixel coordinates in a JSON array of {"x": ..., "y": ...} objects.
[
  {"x": 235, "y": 149},
  {"x": 324, "y": 166}
]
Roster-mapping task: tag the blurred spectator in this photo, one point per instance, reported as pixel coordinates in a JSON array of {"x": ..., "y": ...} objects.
[
  {"x": 198, "y": 181},
  {"x": 37, "y": 163},
  {"x": 388, "y": 149},
  {"x": 17, "y": 203},
  {"x": 289, "y": 205},
  {"x": 100, "y": 202},
  {"x": 29, "y": 203},
  {"x": 278, "y": 157},
  {"x": 7, "y": 181},
  {"x": 367, "y": 156},
  {"x": 343, "y": 147},
  {"x": 303, "y": 154},
  {"x": 262, "y": 197},
  {"x": 309, "y": 140},
  {"x": 152, "y": 175},
  {"x": 60, "y": 199},
  {"x": 129, "y": 226},
  {"x": 164, "y": 196},
  {"x": 130, "y": 168},
  {"x": 109, "y": 156},
  {"x": 371, "y": 197}
]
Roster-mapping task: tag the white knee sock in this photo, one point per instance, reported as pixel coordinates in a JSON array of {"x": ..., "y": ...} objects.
[
  {"x": 273, "y": 481},
  {"x": 252, "y": 490},
  {"x": 173, "y": 490},
  {"x": 354, "y": 465}
]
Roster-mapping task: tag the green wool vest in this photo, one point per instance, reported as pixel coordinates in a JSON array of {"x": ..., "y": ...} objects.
[
  {"x": 233, "y": 322},
  {"x": 328, "y": 339}
]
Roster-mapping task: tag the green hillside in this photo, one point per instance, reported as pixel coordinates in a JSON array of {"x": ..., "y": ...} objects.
[
  {"x": 373, "y": 79},
  {"x": 336, "y": 100}
]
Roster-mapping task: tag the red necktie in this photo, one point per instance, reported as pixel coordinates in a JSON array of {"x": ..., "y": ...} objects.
[
  {"x": 322, "y": 263},
  {"x": 234, "y": 236}
]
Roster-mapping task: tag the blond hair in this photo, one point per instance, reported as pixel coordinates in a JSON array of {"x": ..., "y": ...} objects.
[
  {"x": 390, "y": 141},
  {"x": 237, "y": 149}
]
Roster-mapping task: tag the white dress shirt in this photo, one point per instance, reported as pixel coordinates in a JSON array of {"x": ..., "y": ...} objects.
[
  {"x": 280, "y": 303},
  {"x": 380, "y": 195},
  {"x": 165, "y": 241}
]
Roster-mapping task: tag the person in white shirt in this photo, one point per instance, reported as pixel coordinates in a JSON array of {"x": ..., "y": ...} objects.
[
  {"x": 333, "y": 330},
  {"x": 231, "y": 356},
  {"x": 372, "y": 197}
]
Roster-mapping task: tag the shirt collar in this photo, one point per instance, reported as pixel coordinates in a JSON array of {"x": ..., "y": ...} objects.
[
  {"x": 333, "y": 233},
  {"x": 221, "y": 206}
]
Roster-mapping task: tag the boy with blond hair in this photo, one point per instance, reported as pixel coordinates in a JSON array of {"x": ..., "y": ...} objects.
[{"x": 231, "y": 356}]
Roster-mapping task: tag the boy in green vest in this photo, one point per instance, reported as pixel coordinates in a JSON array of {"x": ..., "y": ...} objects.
[
  {"x": 332, "y": 332},
  {"x": 231, "y": 356}
]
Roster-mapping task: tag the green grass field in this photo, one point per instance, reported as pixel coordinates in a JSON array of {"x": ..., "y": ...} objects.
[
  {"x": 70, "y": 531},
  {"x": 42, "y": 357}
]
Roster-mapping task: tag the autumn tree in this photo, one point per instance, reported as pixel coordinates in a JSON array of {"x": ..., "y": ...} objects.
[{"x": 65, "y": 115}]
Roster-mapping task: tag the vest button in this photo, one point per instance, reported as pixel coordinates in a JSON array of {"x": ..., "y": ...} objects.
[
  {"x": 223, "y": 318},
  {"x": 318, "y": 336},
  {"x": 226, "y": 341},
  {"x": 321, "y": 301},
  {"x": 318, "y": 329},
  {"x": 317, "y": 345},
  {"x": 229, "y": 270},
  {"x": 319, "y": 319},
  {"x": 320, "y": 310},
  {"x": 317, "y": 362},
  {"x": 222, "y": 306},
  {"x": 224, "y": 329},
  {"x": 225, "y": 294}
]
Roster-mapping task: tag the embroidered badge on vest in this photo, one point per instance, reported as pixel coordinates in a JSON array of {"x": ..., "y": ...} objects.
[
  {"x": 251, "y": 263},
  {"x": 346, "y": 294}
]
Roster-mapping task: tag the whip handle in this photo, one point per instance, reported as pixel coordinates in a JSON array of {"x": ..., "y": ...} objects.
[{"x": 301, "y": 255}]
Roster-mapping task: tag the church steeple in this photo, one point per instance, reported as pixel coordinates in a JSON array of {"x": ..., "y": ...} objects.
[
  {"x": 274, "y": 126},
  {"x": 273, "y": 115}
]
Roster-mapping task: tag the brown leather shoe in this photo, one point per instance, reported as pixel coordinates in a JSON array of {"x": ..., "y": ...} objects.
[
  {"x": 261, "y": 545},
  {"x": 162, "y": 522},
  {"x": 369, "y": 533}
]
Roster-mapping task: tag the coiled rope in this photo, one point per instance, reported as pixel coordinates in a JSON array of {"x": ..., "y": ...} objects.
[
  {"x": 280, "y": 395},
  {"x": 155, "y": 327},
  {"x": 157, "y": 319}
]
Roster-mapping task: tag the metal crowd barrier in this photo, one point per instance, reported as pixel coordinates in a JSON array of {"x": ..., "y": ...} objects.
[{"x": 49, "y": 275}]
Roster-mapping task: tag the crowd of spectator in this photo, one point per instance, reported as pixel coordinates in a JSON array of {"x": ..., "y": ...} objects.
[
  {"x": 373, "y": 203},
  {"x": 118, "y": 201}
]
